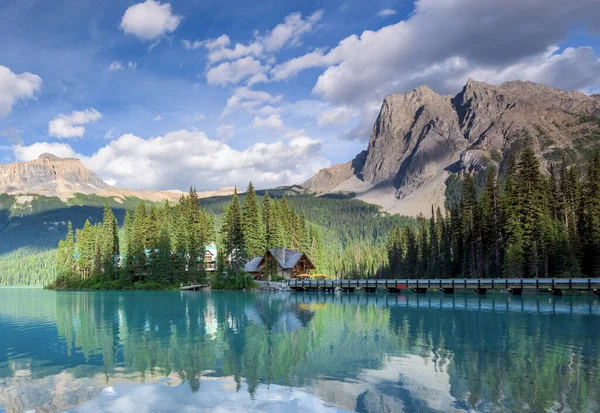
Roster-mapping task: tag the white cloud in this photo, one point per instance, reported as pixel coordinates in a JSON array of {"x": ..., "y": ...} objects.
[
  {"x": 183, "y": 158},
  {"x": 386, "y": 12},
  {"x": 316, "y": 58},
  {"x": 243, "y": 61},
  {"x": 115, "y": 65},
  {"x": 219, "y": 42},
  {"x": 157, "y": 118},
  {"x": 109, "y": 134},
  {"x": 336, "y": 116},
  {"x": 14, "y": 87},
  {"x": 290, "y": 30},
  {"x": 257, "y": 78},
  {"x": 225, "y": 132},
  {"x": 272, "y": 122},
  {"x": 69, "y": 126},
  {"x": 192, "y": 45},
  {"x": 31, "y": 152},
  {"x": 240, "y": 50},
  {"x": 149, "y": 20},
  {"x": 248, "y": 100},
  {"x": 234, "y": 72}
]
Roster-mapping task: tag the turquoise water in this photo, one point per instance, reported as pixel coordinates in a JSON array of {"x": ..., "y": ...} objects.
[{"x": 288, "y": 352}]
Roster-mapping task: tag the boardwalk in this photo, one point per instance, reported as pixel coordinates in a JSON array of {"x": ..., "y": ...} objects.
[{"x": 514, "y": 285}]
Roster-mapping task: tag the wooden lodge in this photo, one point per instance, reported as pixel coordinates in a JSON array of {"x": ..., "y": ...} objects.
[{"x": 280, "y": 262}]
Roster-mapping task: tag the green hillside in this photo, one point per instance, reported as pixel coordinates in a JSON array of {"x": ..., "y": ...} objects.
[{"x": 32, "y": 225}]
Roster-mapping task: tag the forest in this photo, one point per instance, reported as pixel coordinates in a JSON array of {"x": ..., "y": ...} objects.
[
  {"x": 524, "y": 224},
  {"x": 162, "y": 246}
]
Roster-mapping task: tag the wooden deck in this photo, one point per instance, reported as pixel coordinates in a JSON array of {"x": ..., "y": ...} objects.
[
  {"x": 513, "y": 285},
  {"x": 195, "y": 287}
]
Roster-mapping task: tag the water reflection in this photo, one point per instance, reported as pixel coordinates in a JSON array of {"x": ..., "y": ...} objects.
[{"x": 93, "y": 351}]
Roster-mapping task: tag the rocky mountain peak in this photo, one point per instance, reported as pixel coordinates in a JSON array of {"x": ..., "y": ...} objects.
[
  {"x": 50, "y": 175},
  {"x": 421, "y": 137},
  {"x": 48, "y": 157}
]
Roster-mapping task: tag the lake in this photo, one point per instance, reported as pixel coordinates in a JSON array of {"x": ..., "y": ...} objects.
[{"x": 294, "y": 352}]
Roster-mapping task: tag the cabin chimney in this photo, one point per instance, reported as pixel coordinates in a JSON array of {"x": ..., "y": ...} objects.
[{"x": 280, "y": 255}]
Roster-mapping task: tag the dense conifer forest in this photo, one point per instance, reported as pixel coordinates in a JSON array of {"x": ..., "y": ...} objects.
[
  {"x": 162, "y": 246},
  {"x": 530, "y": 225}
]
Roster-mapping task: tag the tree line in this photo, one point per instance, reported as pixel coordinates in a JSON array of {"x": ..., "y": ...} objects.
[
  {"x": 160, "y": 245},
  {"x": 165, "y": 245},
  {"x": 523, "y": 224}
]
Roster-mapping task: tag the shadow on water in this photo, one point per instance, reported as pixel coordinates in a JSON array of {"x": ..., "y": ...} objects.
[{"x": 361, "y": 352}]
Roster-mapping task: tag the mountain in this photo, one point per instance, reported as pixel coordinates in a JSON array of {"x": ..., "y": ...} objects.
[
  {"x": 64, "y": 178},
  {"x": 421, "y": 138}
]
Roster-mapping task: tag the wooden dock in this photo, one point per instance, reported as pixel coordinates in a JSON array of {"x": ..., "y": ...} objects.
[
  {"x": 195, "y": 287},
  {"x": 515, "y": 286}
]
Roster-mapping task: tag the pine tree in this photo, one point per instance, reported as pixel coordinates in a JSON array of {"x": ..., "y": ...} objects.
[
  {"x": 512, "y": 228},
  {"x": 470, "y": 230},
  {"x": 433, "y": 267},
  {"x": 233, "y": 238},
  {"x": 270, "y": 223},
  {"x": 410, "y": 265},
  {"x": 138, "y": 240},
  {"x": 161, "y": 265},
  {"x": 491, "y": 231},
  {"x": 423, "y": 246},
  {"x": 285, "y": 221},
  {"x": 445, "y": 245},
  {"x": 110, "y": 242},
  {"x": 252, "y": 225},
  {"x": 151, "y": 228},
  {"x": 195, "y": 237},
  {"x": 591, "y": 218},
  {"x": 535, "y": 215}
]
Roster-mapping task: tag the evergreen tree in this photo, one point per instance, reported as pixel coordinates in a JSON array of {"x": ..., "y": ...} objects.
[
  {"x": 491, "y": 231},
  {"x": 512, "y": 228},
  {"x": 433, "y": 267},
  {"x": 232, "y": 235},
  {"x": 252, "y": 225},
  {"x": 138, "y": 240},
  {"x": 591, "y": 218},
  {"x": 535, "y": 215},
  {"x": 273, "y": 234},
  {"x": 110, "y": 242}
]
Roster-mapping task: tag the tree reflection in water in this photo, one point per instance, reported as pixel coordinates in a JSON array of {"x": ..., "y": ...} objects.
[{"x": 358, "y": 352}]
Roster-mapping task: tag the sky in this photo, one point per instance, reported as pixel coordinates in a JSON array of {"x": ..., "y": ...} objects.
[{"x": 206, "y": 93}]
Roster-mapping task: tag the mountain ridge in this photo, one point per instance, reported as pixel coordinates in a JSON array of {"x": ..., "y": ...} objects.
[
  {"x": 50, "y": 175},
  {"x": 421, "y": 138}
]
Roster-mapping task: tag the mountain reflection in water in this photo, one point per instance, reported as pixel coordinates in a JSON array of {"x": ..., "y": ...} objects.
[{"x": 279, "y": 352}]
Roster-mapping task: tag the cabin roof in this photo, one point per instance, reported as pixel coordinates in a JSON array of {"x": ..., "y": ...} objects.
[
  {"x": 254, "y": 265},
  {"x": 291, "y": 258}
]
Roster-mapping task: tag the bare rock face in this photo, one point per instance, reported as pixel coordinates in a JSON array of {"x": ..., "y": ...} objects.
[
  {"x": 49, "y": 173},
  {"x": 328, "y": 179},
  {"x": 421, "y": 137}
]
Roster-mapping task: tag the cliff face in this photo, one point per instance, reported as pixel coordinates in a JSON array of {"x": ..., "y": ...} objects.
[
  {"x": 420, "y": 137},
  {"x": 50, "y": 175}
]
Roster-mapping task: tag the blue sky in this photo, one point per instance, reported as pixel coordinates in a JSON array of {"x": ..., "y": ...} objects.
[{"x": 214, "y": 93}]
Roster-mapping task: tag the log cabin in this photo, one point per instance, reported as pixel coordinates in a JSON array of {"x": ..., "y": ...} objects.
[{"x": 280, "y": 262}]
